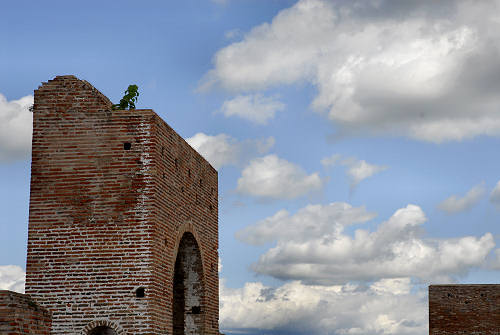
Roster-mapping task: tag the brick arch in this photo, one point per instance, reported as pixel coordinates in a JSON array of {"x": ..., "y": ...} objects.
[
  {"x": 189, "y": 298},
  {"x": 102, "y": 323},
  {"x": 188, "y": 227}
]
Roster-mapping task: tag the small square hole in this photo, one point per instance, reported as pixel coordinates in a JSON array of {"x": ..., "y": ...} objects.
[
  {"x": 139, "y": 293},
  {"x": 127, "y": 146}
]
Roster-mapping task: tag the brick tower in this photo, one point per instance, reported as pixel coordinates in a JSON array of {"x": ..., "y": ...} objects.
[{"x": 123, "y": 232}]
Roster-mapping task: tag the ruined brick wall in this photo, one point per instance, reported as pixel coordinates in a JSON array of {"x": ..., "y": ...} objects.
[
  {"x": 111, "y": 194},
  {"x": 464, "y": 309},
  {"x": 19, "y": 314}
]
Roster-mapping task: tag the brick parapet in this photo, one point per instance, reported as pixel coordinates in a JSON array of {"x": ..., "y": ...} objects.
[
  {"x": 464, "y": 309},
  {"x": 19, "y": 314}
]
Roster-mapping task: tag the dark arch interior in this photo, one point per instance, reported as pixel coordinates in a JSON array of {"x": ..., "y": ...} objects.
[
  {"x": 102, "y": 330},
  {"x": 188, "y": 306}
]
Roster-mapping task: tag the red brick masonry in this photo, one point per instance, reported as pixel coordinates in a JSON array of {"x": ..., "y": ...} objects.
[
  {"x": 19, "y": 314},
  {"x": 464, "y": 309},
  {"x": 113, "y": 194}
]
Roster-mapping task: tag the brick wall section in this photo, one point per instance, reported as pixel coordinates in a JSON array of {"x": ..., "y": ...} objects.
[
  {"x": 464, "y": 309},
  {"x": 19, "y": 314},
  {"x": 186, "y": 201},
  {"x": 111, "y": 194},
  {"x": 89, "y": 237}
]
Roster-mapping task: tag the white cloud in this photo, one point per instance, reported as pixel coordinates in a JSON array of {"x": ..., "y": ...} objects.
[
  {"x": 16, "y": 124},
  {"x": 12, "y": 278},
  {"x": 275, "y": 178},
  {"x": 495, "y": 195},
  {"x": 385, "y": 307},
  {"x": 316, "y": 220},
  {"x": 455, "y": 204},
  {"x": 331, "y": 160},
  {"x": 255, "y": 108},
  {"x": 323, "y": 253},
  {"x": 421, "y": 69},
  {"x": 392, "y": 285},
  {"x": 357, "y": 170},
  {"x": 223, "y": 149}
]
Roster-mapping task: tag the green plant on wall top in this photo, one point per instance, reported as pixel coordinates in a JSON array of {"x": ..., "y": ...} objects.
[{"x": 129, "y": 99}]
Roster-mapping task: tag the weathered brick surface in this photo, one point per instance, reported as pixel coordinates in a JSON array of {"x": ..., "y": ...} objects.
[
  {"x": 112, "y": 194},
  {"x": 19, "y": 314},
  {"x": 464, "y": 309}
]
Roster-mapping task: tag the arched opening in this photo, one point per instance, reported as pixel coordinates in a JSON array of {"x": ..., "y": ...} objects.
[
  {"x": 102, "y": 330},
  {"x": 188, "y": 304}
]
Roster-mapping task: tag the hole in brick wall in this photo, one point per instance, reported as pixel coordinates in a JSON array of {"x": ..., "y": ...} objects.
[
  {"x": 195, "y": 310},
  {"x": 189, "y": 173},
  {"x": 211, "y": 208},
  {"x": 483, "y": 294},
  {"x": 176, "y": 163},
  {"x": 139, "y": 293},
  {"x": 102, "y": 330},
  {"x": 163, "y": 176},
  {"x": 165, "y": 241},
  {"x": 182, "y": 189},
  {"x": 449, "y": 295},
  {"x": 201, "y": 182},
  {"x": 127, "y": 146}
]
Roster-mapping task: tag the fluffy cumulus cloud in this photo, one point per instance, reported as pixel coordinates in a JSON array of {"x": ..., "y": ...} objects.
[
  {"x": 317, "y": 220},
  {"x": 314, "y": 247},
  {"x": 456, "y": 204},
  {"x": 357, "y": 169},
  {"x": 495, "y": 195},
  {"x": 385, "y": 307},
  {"x": 254, "y": 107},
  {"x": 275, "y": 178},
  {"x": 423, "y": 69},
  {"x": 223, "y": 149},
  {"x": 16, "y": 124},
  {"x": 12, "y": 278},
  {"x": 331, "y": 160}
]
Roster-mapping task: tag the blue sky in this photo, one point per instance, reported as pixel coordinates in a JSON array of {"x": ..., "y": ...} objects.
[{"x": 356, "y": 142}]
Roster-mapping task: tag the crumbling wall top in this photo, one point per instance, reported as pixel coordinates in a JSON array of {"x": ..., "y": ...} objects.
[{"x": 71, "y": 90}]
